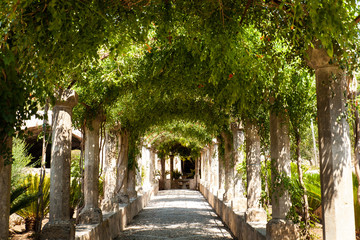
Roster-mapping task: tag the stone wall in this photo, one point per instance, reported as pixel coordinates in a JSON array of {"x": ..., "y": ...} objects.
[
  {"x": 115, "y": 222},
  {"x": 235, "y": 220}
]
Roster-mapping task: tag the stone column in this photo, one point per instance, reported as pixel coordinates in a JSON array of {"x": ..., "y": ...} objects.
[
  {"x": 278, "y": 227},
  {"x": 5, "y": 186},
  {"x": 214, "y": 155},
  {"x": 162, "y": 175},
  {"x": 197, "y": 175},
  {"x": 202, "y": 167},
  {"x": 60, "y": 225},
  {"x": 121, "y": 188},
  {"x": 208, "y": 167},
  {"x": 228, "y": 168},
  {"x": 132, "y": 183},
  {"x": 335, "y": 148},
  {"x": 254, "y": 212},
  {"x": 111, "y": 156},
  {"x": 221, "y": 173},
  {"x": 239, "y": 200},
  {"x": 207, "y": 160},
  {"x": 152, "y": 166},
  {"x": 171, "y": 170},
  {"x": 91, "y": 213}
]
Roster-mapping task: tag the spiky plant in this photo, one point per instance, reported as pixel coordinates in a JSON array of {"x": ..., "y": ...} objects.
[
  {"x": 313, "y": 188},
  {"x": 29, "y": 212},
  {"x": 19, "y": 199}
]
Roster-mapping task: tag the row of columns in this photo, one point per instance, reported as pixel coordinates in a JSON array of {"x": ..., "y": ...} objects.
[
  {"x": 279, "y": 226},
  {"x": 335, "y": 160},
  {"x": 162, "y": 167},
  {"x": 119, "y": 183}
]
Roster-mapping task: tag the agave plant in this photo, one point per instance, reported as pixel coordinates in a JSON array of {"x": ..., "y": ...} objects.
[
  {"x": 313, "y": 188},
  {"x": 29, "y": 212},
  {"x": 19, "y": 199},
  {"x": 312, "y": 182}
]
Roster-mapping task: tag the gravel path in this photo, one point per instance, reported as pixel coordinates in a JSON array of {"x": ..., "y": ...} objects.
[{"x": 176, "y": 214}]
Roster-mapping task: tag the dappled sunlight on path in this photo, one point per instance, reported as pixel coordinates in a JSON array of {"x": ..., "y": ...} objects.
[{"x": 176, "y": 214}]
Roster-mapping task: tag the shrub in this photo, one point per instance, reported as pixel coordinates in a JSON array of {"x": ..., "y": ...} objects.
[
  {"x": 176, "y": 174},
  {"x": 20, "y": 160}
]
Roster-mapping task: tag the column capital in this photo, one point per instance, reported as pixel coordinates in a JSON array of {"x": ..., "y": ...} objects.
[
  {"x": 66, "y": 98},
  {"x": 236, "y": 126},
  {"x": 318, "y": 56}
]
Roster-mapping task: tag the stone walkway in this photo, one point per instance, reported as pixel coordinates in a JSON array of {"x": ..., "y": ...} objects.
[{"x": 176, "y": 214}]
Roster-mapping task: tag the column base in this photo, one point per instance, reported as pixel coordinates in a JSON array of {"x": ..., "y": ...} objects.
[
  {"x": 90, "y": 216},
  {"x": 239, "y": 204},
  {"x": 279, "y": 229},
  {"x": 255, "y": 215},
  {"x": 220, "y": 194},
  {"x": 121, "y": 198},
  {"x": 108, "y": 205},
  {"x": 161, "y": 184},
  {"x": 59, "y": 230},
  {"x": 227, "y": 197},
  {"x": 132, "y": 194}
]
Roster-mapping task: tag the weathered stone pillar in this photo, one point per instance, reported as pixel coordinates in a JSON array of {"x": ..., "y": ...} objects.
[
  {"x": 221, "y": 171},
  {"x": 202, "y": 167},
  {"x": 111, "y": 157},
  {"x": 5, "y": 186},
  {"x": 197, "y": 175},
  {"x": 239, "y": 200},
  {"x": 228, "y": 168},
  {"x": 208, "y": 164},
  {"x": 278, "y": 227},
  {"x": 171, "y": 170},
  {"x": 162, "y": 175},
  {"x": 214, "y": 155},
  {"x": 91, "y": 212},
  {"x": 335, "y": 149},
  {"x": 121, "y": 188},
  {"x": 152, "y": 166},
  {"x": 132, "y": 183},
  {"x": 60, "y": 225},
  {"x": 254, "y": 212}
]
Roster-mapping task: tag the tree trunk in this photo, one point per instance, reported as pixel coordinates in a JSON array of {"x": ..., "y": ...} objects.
[
  {"x": 267, "y": 199},
  {"x": 171, "y": 171},
  {"x": 302, "y": 185},
  {"x": 162, "y": 176},
  {"x": 30, "y": 224},
  {"x": 39, "y": 206},
  {"x": 314, "y": 144},
  {"x": 5, "y": 184}
]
